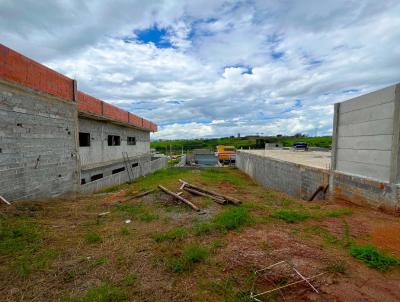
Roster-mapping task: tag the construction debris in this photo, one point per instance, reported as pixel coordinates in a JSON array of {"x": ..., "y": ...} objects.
[
  {"x": 217, "y": 197},
  {"x": 138, "y": 195},
  {"x": 180, "y": 198},
  {"x": 254, "y": 295},
  {"x": 103, "y": 214},
  {"x": 4, "y": 200}
]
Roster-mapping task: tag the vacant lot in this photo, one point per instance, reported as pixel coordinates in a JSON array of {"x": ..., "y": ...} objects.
[{"x": 61, "y": 250}]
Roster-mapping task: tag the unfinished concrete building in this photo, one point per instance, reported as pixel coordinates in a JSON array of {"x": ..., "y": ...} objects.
[
  {"x": 55, "y": 139},
  {"x": 364, "y": 166}
]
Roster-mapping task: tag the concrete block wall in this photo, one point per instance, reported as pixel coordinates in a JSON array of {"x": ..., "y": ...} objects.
[
  {"x": 122, "y": 177},
  {"x": 38, "y": 156},
  {"x": 100, "y": 153},
  {"x": 366, "y": 149},
  {"x": 142, "y": 162},
  {"x": 293, "y": 179},
  {"x": 364, "y": 134}
]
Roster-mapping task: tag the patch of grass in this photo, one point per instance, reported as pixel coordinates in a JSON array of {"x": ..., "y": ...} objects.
[
  {"x": 99, "y": 261},
  {"x": 290, "y": 215},
  {"x": 106, "y": 292},
  {"x": 38, "y": 260},
  {"x": 228, "y": 175},
  {"x": 177, "y": 233},
  {"x": 130, "y": 279},
  {"x": 192, "y": 254},
  {"x": 136, "y": 211},
  {"x": 226, "y": 290},
  {"x": 337, "y": 267},
  {"x": 19, "y": 235},
  {"x": 203, "y": 228},
  {"x": 92, "y": 237},
  {"x": 124, "y": 231},
  {"x": 217, "y": 244},
  {"x": 232, "y": 218},
  {"x": 373, "y": 257},
  {"x": 339, "y": 212}
]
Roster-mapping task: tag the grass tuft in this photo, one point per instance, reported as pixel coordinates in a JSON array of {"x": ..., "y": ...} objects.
[
  {"x": 137, "y": 211},
  {"x": 192, "y": 254},
  {"x": 130, "y": 279},
  {"x": 106, "y": 292},
  {"x": 92, "y": 237},
  {"x": 291, "y": 216},
  {"x": 233, "y": 218},
  {"x": 373, "y": 257},
  {"x": 177, "y": 233},
  {"x": 203, "y": 228}
]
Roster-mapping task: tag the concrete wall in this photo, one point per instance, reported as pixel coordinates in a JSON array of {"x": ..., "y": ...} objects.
[
  {"x": 366, "y": 149},
  {"x": 122, "y": 177},
  {"x": 364, "y": 134},
  {"x": 100, "y": 153},
  {"x": 38, "y": 155},
  {"x": 294, "y": 179}
]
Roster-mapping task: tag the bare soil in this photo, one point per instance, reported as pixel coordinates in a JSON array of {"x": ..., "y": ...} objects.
[{"x": 78, "y": 264}]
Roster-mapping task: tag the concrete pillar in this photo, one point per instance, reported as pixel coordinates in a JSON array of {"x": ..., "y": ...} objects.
[
  {"x": 335, "y": 135},
  {"x": 395, "y": 156}
]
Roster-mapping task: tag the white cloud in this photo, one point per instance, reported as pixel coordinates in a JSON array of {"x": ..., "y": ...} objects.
[{"x": 235, "y": 67}]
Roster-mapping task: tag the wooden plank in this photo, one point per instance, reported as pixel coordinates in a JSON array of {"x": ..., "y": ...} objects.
[
  {"x": 195, "y": 192},
  {"x": 227, "y": 198},
  {"x": 4, "y": 200},
  {"x": 180, "y": 198}
]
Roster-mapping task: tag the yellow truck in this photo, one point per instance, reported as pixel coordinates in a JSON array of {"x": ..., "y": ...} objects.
[{"x": 226, "y": 154}]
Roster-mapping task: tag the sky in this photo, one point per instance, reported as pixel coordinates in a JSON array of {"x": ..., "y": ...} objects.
[{"x": 215, "y": 68}]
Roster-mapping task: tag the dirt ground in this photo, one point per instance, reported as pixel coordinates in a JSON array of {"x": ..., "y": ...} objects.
[{"x": 154, "y": 249}]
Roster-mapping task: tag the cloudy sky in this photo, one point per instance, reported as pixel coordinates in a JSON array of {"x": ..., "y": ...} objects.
[{"x": 214, "y": 68}]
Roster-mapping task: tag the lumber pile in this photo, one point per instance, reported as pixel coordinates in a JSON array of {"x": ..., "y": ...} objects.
[
  {"x": 180, "y": 198},
  {"x": 217, "y": 197}
]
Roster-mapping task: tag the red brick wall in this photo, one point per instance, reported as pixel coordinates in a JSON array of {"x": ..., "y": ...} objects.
[
  {"x": 17, "y": 68},
  {"x": 87, "y": 103},
  {"x": 114, "y": 113}
]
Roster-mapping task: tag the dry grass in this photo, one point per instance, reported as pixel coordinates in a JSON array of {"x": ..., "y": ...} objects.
[{"x": 60, "y": 250}]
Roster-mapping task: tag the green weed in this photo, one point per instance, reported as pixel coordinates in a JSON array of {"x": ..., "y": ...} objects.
[
  {"x": 203, "y": 228},
  {"x": 92, "y": 237},
  {"x": 124, "y": 231},
  {"x": 19, "y": 235},
  {"x": 192, "y": 254},
  {"x": 106, "y": 292},
  {"x": 291, "y": 216},
  {"x": 136, "y": 211},
  {"x": 177, "y": 233},
  {"x": 232, "y": 218},
  {"x": 339, "y": 212},
  {"x": 130, "y": 279},
  {"x": 373, "y": 257}
]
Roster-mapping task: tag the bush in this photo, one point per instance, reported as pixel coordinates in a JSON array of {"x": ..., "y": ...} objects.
[{"x": 373, "y": 258}]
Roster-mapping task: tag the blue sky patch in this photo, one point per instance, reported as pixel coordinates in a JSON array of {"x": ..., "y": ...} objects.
[
  {"x": 276, "y": 55},
  {"x": 154, "y": 35}
]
